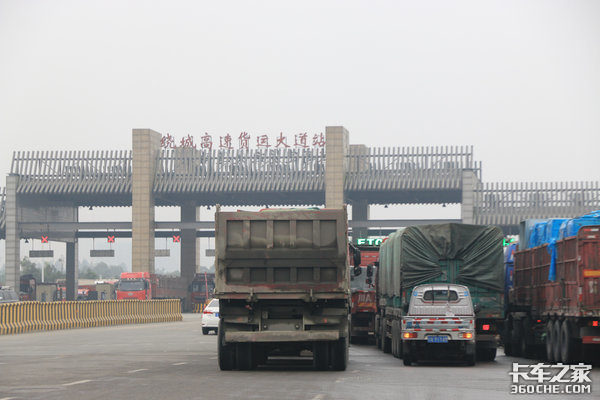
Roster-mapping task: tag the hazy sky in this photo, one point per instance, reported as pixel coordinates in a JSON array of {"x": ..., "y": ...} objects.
[{"x": 519, "y": 80}]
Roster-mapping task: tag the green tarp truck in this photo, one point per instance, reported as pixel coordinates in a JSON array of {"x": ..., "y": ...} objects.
[{"x": 470, "y": 255}]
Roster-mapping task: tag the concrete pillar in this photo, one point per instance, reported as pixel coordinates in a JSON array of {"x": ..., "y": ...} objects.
[
  {"x": 13, "y": 241},
  {"x": 72, "y": 270},
  {"x": 188, "y": 243},
  {"x": 336, "y": 149},
  {"x": 360, "y": 212},
  {"x": 146, "y": 146},
  {"x": 198, "y": 244},
  {"x": 467, "y": 207}
]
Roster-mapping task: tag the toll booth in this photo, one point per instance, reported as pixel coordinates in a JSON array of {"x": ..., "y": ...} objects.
[
  {"x": 106, "y": 291},
  {"x": 46, "y": 292}
]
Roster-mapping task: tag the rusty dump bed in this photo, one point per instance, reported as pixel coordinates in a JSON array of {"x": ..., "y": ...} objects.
[
  {"x": 576, "y": 290},
  {"x": 281, "y": 254}
]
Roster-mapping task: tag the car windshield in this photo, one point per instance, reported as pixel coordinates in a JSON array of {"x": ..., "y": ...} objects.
[
  {"x": 202, "y": 287},
  {"x": 131, "y": 285},
  {"x": 213, "y": 303}
]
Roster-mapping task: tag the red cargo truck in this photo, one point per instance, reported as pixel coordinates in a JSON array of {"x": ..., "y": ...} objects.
[
  {"x": 559, "y": 318},
  {"x": 363, "y": 306},
  {"x": 137, "y": 286}
]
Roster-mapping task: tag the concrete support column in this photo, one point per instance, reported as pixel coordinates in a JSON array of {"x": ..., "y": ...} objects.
[
  {"x": 72, "y": 270},
  {"x": 360, "y": 212},
  {"x": 467, "y": 207},
  {"x": 13, "y": 241},
  {"x": 188, "y": 243},
  {"x": 198, "y": 244},
  {"x": 146, "y": 145},
  {"x": 335, "y": 165}
]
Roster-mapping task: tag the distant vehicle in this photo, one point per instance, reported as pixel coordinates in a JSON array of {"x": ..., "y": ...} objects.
[
  {"x": 136, "y": 286},
  {"x": 210, "y": 317},
  {"x": 363, "y": 307},
  {"x": 27, "y": 285},
  {"x": 202, "y": 288},
  {"x": 439, "y": 324},
  {"x": 8, "y": 295}
]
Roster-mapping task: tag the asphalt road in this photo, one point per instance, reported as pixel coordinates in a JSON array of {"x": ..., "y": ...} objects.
[{"x": 175, "y": 361}]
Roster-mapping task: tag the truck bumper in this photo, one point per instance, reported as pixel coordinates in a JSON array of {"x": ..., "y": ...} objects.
[{"x": 282, "y": 336}]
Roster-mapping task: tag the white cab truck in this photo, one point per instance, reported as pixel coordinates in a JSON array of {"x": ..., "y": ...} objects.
[{"x": 439, "y": 323}]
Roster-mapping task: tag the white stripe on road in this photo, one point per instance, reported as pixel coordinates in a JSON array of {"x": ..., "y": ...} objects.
[
  {"x": 181, "y": 363},
  {"x": 136, "y": 370},
  {"x": 77, "y": 383},
  {"x": 8, "y": 398},
  {"x": 319, "y": 397}
]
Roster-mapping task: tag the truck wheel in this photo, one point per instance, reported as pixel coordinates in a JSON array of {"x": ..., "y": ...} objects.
[
  {"x": 525, "y": 343},
  {"x": 245, "y": 360},
  {"x": 568, "y": 344},
  {"x": 471, "y": 354},
  {"x": 377, "y": 337},
  {"x": 490, "y": 354},
  {"x": 557, "y": 345},
  {"x": 506, "y": 337},
  {"x": 204, "y": 331},
  {"x": 226, "y": 352},
  {"x": 549, "y": 342},
  {"x": 516, "y": 335},
  {"x": 321, "y": 355},
  {"x": 395, "y": 339},
  {"x": 339, "y": 354}
]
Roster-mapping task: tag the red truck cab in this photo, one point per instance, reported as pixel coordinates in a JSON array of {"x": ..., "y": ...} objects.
[{"x": 136, "y": 286}]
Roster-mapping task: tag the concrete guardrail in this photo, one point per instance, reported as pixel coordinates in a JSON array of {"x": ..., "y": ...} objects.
[{"x": 30, "y": 316}]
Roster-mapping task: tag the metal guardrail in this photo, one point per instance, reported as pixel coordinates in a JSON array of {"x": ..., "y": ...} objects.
[{"x": 30, "y": 316}]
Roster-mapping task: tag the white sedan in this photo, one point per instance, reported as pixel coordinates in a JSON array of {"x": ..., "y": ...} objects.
[{"x": 210, "y": 317}]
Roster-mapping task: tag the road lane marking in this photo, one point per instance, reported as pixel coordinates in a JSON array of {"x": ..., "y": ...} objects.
[
  {"x": 213, "y": 358},
  {"x": 133, "y": 371},
  {"x": 319, "y": 397},
  {"x": 180, "y": 363},
  {"x": 77, "y": 382},
  {"x": 8, "y": 398}
]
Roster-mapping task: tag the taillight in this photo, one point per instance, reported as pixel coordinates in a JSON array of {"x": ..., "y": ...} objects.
[
  {"x": 409, "y": 335},
  {"x": 594, "y": 323},
  {"x": 207, "y": 312},
  {"x": 485, "y": 327}
]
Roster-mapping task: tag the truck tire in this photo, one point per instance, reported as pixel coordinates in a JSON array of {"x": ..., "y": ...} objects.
[
  {"x": 490, "y": 354},
  {"x": 550, "y": 341},
  {"x": 395, "y": 339},
  {"x": 507, "y": 338},
  {"x": 557, "y": 345},
  {"x": 377, "y": 332},
  {"x": 204, "y": 331},
  {"x": 321, "y": 355},
  {"x": 339, "y": 354},
  {"x": 567, "y": 354},
  {"x": 471, "y": 354},
  {"x": 515, "y": 336},
  {"x": 226, "y": 352},
  {"x": 526, "y": 342},
  {"x": 244, "y": 356}
]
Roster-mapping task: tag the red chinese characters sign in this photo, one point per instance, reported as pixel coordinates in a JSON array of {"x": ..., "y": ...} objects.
[{"x": 244, "y": 140}]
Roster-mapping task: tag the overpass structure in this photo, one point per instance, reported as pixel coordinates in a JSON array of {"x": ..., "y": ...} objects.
[{"x": 46, "y": 188}]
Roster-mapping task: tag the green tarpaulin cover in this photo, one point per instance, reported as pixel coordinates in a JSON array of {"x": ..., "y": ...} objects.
[{"x": 416, "y": 253}]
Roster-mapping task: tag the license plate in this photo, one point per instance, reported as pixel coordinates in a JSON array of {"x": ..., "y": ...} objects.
[{"x": 437, "y": 339}]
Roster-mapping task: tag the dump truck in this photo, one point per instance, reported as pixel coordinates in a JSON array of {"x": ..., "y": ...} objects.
[
  {"x": 469, "y": 255},
  {"x": 553, "y": 308},
  {"x": 282, "y": 280},
  {"x": 440, "y": 322}
]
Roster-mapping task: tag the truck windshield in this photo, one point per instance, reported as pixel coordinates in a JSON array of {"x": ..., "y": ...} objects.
[
  {"x": 360, "y": 282},
  {"x": 131, "y": 285},
  {"x": 440, "y": 295},
  {"x": 201, "y": 287}
]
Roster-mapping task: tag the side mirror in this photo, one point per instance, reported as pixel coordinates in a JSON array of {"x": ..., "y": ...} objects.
[
  {"x": 370, "y": 270},
  {"x": 356, "y": 271},
  {"x": 405, "y": 308},
  {"x": 476, "y": 308}
]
